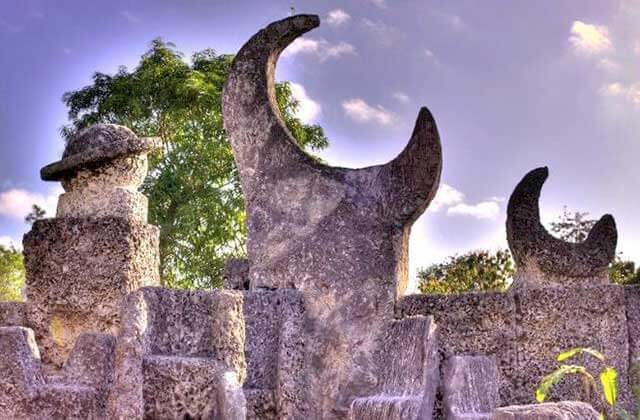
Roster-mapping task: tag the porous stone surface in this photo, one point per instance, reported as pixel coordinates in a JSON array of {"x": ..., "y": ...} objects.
[
  {"x": 236, "y": 274},
  {"x": 565, "y": 410},
  {"x": 632, "y": 305},
  {"x": 543, "y": 260},
  {"x": 276, "y": 383},
  {"x": 78, "y": 273},
  {"x": 554, "y": 320},
  {"x": 96, "y": 146},
  {"x": 471, "y": 385},
  {"x": 78, "y": 393},
  {"x": 338, "y": 235},
  {"x": 12, "y": 314},
  {"x": 481, "y": 324},
  {"x": 408, "y": 372},
  {"x": 192, "y": 388},
  {"x": 179, "y": 333}
]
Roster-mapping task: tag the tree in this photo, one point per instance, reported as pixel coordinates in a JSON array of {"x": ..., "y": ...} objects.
[
  {"x": 37, "y": 213},
  {"x": 193, "y": 185},
  {"x": 575, "y": 227},
  {"x": 11, "y": 274},
  {"x": 476, "y": 271}
]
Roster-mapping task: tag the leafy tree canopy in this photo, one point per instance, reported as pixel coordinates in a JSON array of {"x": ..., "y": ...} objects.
[
  {"x": 11, "y": 274},
  {"x": 476, "y": 271},
  {"x": 193, "y": 185}
]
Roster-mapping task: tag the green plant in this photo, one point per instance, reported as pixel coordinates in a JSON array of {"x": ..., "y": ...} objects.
[{"x": 608, "y": 380}]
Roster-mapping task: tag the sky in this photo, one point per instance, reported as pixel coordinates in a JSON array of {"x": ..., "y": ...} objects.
[{"x": 512, "y": 86}]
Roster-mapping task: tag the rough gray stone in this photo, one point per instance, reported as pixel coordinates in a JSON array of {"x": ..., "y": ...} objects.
[
  {"x": 79, "y": 393},
  {"x": 78, "y": 274},
  {"x": 554, "y": 320},
  {"x": 236, "y": 274},
  {"x": 338, "y": 235},
  {"x": 471, "y": 386},
  {"x": 407, "y": 366},
  {"x": 190, "y": 341},
  {"x": 543, "y": 260},
  {"x": 274, "y": 349},
  {"x": 482, "y": 324},
  {"x": 96, "y": 146},
  {"x": 565, "y": 410},
  {"x": 632, "y": 304},
  {"x": 12, "y": 314}
]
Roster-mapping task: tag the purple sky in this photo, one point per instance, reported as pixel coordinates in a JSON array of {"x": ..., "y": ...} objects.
[{"x": 512, "y": 85}]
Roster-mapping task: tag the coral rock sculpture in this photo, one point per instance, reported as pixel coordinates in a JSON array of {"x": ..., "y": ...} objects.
[
  {"x": 81, "y": 264},
  {"x": 543, "y": 260},
  {"x": 338, "y": 235}
]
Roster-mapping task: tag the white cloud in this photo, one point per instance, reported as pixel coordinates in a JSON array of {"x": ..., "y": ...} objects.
[
  {"x": 360, "y": 111},
  {"x": 590, "y": 39},
  {"x": 629, "y": 92},
  {"x": 453, "y": 201},
  {"x": 320, "y": 48},
  {"x": 487, "y": 210},
  {"x": 446, "y": 196},
  {"x": 9, "y": 242},
  {"x": 384, "y": 34},
  {"x": 308, "y": 109},
  {"x": 380, "y": 3},
  {"x": 17, "y": 203},
  {"x": 609, "y": 65},
  {"x": 338, "y": 17},
  {"x": 129, "y": 17},
  {"x": 401, "y": 97}
]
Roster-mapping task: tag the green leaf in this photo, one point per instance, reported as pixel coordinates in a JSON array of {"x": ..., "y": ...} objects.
[
  {"x": 542, "y": 392},
  {"x": 579, "y": 350},
  {"x": 609, "y": 381}
]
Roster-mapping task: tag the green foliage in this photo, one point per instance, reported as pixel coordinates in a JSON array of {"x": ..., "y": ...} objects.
[
  {"x": 36, "y": 213},
  {"x": 193, "y": 185},
  {"x": 608, "y": 379},
  {"x": 11, "y": 274},
  {"x": 575, "y": 227},
  {"x": 472, "y": 272}
]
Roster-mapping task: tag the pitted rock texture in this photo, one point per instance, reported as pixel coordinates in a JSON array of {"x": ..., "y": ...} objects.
[
  {"x": 525, "y": 331},
  {"x": 565, "y": 410},
  {"x": 408, "y": 372},
  {"x": 236, "y": 274},
  {"x": 275, "y": 353},
  {"x": 472, "y": 324},
  {"x": 12, "y": 314},
  {"x": 79, "y": 392},
  {"x": 79, "y": 272},
  {"x": 338, "y": 235},
  {"x": 179, "y": 333},
  {"x": 543, "y": 260},
  {"x": 96, "y": 146},
  {"x": 471, "y": 386}
]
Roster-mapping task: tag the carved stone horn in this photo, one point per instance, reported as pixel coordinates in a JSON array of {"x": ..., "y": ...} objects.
[
  {"x": 263, "y": 145},
  {"x": 541, "y": 257}
]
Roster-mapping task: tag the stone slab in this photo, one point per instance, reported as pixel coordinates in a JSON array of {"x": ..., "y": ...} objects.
[
  {"x": 471, "y": 387},
  {"x": 565, "y": 410}
]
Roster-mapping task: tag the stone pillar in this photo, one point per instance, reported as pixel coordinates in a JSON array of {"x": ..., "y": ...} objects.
[{"x": 81, "y": 264}]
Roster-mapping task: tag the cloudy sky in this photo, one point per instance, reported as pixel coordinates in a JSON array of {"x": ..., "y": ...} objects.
[{"x": 513, "y": 86}]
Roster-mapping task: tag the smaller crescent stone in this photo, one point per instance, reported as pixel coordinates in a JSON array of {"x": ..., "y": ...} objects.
[{"x": 542, "y": 258}]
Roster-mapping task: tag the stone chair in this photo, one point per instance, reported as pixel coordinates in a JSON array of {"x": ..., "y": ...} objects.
[
  {"x": 180, "y": 355},
  {"x": 407, "y": 370},
  {"x": 78, "y": 391},
  {"x": 276, "y": 384}
]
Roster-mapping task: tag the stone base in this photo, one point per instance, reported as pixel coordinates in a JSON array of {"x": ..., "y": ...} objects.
[
  {"x": 565, "y": 410},
  {"x": 78, "y": 273},
  {"x": 527, "y": 329}
]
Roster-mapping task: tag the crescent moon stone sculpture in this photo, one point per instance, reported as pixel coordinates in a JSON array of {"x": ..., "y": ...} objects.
[
  {"x": 339, "y": 235},
  {"x": 543, "y": 260}
]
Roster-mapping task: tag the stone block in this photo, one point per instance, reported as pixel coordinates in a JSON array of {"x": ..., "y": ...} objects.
[
  {"x": 190, "y": 387},
  {"x": 382, "y": 407},
  {"x": 274, "y": 349},
  {"x": 78, "y": 274},
  {"x": 12, "y": 314},
  {"x": 482, "y": 324},
  {"x": 554, "y": 320},
  {"x": 471, "y": 385},
  {"x": 565, "y": 410}
]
